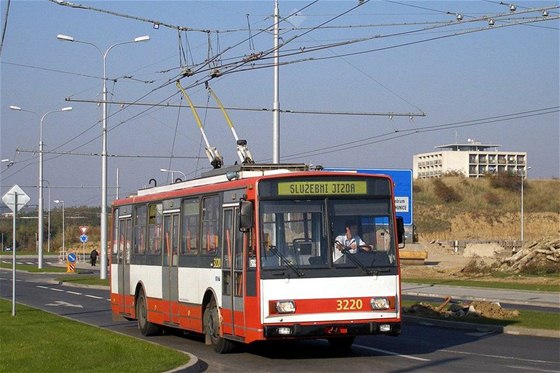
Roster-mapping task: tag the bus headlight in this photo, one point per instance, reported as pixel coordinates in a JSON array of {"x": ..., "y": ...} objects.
[
  {"x": 379, "y": 303},
  {"x": 286, "y": 306}
]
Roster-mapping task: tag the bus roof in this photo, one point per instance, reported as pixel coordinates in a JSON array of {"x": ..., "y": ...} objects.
[{"x": 222, "y": 175}]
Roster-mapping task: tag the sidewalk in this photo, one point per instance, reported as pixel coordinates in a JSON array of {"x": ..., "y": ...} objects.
[{"x": 522, "y": 297}]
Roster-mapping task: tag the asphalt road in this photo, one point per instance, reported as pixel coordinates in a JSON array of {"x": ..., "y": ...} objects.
[{"x": 421, "y": 347}]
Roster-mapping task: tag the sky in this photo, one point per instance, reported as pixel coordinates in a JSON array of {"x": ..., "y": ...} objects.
[{"x": 362, "y": 84}]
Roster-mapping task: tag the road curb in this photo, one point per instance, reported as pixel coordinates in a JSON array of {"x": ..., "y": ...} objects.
[{"x": 192, "y": 366}]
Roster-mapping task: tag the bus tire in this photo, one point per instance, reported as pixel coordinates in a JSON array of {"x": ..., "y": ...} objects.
[
  {"x": 146, "y": 328},
  {"x": 212, "y": 329},
  {"x": 341, "y": 343}
]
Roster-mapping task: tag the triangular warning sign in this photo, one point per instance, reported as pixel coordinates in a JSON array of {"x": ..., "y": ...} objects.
[{"x": 83, "y": 230}]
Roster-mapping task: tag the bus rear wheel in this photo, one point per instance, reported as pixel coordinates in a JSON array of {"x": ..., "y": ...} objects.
[
  {"x": 146, "y": 328},
  {"x": 212, "y": 329}
]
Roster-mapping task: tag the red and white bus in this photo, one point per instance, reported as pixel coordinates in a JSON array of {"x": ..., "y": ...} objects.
[{"x": 248, "y": 253}]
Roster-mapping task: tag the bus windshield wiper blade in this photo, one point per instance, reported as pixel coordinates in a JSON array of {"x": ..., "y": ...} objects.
[
  {"x": 286, "y": 262},
  {"x": 357, "y": 262}
]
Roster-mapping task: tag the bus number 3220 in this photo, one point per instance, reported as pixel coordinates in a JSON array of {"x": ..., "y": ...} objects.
[{"x": 349, "y": 304}]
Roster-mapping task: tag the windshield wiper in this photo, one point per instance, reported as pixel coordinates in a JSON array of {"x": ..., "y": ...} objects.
[
  {"x": 357, "y": 262},
  {"x": 286, "y": 262}
]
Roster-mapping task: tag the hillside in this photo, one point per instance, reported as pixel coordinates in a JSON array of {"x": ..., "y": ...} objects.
[{"x": 459, "y": 208}]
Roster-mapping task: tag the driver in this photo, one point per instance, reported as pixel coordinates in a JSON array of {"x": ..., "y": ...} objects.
[{"x": 349, "y": 241}]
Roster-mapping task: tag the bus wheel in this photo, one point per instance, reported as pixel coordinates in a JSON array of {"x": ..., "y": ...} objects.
[
  {"x": 341, "y": 343},
  {"x": 146, "y": 328},
  {"x": 212, "y": 329}
]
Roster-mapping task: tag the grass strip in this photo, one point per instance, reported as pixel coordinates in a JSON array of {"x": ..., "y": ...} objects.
[
  {"x": 485, "y": 284},
  {"x": 37, "y": 341},
  {"x": 83, "y": 279},
  {"x": 33, "y": 268}
]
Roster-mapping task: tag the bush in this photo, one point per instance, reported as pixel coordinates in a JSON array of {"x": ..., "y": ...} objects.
[
  {"x": 453, "y": 173},
  {"x": 476, "y": 266},
  {"x": 492, "y": 199},
  {"x": 505, "y": 181},
  {"x": 541, "y": 268},
  {"x": 446, "y": 193}
]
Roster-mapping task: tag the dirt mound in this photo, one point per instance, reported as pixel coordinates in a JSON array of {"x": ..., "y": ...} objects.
[
  {"x": 482, "y": 250},
  {"x": 475, "y": 309}
]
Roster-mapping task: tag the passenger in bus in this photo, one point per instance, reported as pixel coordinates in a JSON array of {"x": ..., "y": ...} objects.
[{"x": 349, "y": 241}]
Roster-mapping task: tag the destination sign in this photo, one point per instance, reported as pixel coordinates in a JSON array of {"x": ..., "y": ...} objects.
[{"x": 314, "y": 188}]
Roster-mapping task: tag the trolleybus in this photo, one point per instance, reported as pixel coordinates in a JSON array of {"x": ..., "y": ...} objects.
[{"x": 249, "y": 253}]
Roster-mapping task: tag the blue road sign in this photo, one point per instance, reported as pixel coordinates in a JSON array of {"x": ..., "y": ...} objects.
[
  {"x": 72, "y": 257},
  {"x": 403, "y": 188},
  {"x": 83, "y": 238}
]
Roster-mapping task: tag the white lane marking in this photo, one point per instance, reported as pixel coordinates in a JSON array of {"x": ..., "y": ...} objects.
[
  {"x": 532, "y": 369},
  {"x": 73, "y": 292},
  {"x": 498, "y": 356},
  {"x": 42, "y": 287},
  {"x": 55, "y": 289},
  {"x": 391, "y": 353},
  {"x": 63, "y": 303},
  {"x": 93, "y": 296}
]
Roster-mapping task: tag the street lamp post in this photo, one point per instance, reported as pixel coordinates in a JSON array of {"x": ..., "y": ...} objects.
[
  {"x": 49, "y": 218},
  {"x": 523, "y": 174},
  {"x": 40, "y": 212},
  {"x": 103, "y": 244},
  {"x": 57, "y": 201},
  {"x": 172, "y": 172}
]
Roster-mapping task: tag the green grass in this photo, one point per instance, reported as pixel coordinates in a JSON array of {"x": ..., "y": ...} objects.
[
  {"x": 526, "y": 319},
  {"x": 37, "y": 341},
  {"x": 486, "y": 284},
  {"x": 33, "y": 268},
  {"x": 83, "y": 279}
]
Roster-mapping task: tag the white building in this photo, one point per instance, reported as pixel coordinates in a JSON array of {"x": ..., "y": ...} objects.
[{"x": 472, "y": 159}]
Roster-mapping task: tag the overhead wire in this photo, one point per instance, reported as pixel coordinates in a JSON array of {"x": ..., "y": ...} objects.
[
  {"x": 239, "y": 67},
  {"x": 5, "y": 28},
  {"x": 333, "y": 148}
]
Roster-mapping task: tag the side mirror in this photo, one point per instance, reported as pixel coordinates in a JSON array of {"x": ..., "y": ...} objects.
[
  {"x": 245, "y": 216},
  {"x": 400, "y": 231}
]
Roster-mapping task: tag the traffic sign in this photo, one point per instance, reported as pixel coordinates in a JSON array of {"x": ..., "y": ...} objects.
[
  {"x": 83, "y": 229},
  {"x": 72, "y": 257},
  {"x": 83, "y": 238},
  {"x": 10, "y": 200}
]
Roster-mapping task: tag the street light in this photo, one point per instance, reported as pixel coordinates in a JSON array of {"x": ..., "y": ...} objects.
[
  {"x": 40, "y": 212},
  {"x": 57, "y": 201},
  {"x": 523, "y": 175},
  {"x": 49, "y": 219},
  {"x": 9, "y": 162},
  {"x": 172, "y": 172},
  {"x": 62, "y": 37}
]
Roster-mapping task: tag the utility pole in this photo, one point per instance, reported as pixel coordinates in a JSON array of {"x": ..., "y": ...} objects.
[{"x": 276, "y": 102}]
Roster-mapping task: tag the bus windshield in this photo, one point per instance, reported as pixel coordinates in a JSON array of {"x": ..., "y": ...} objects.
[{"x": 327, "y": 233}]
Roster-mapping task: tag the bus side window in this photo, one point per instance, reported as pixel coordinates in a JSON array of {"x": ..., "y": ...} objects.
[
  {"x": 189, "y": 240},
  {"x": 210, "y": 232},
  {"x": 155, "y": 220},
  {"x": 139, "y": 232}
]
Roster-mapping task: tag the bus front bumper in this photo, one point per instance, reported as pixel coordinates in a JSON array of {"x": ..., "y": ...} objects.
[{"x": 331, "y": 330}]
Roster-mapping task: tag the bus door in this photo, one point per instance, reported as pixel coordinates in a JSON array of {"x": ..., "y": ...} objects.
[
  {"x": 170, "y": 279},
  {"x": 233, "y": 307},
  {"x": 124, "y": 235}
]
